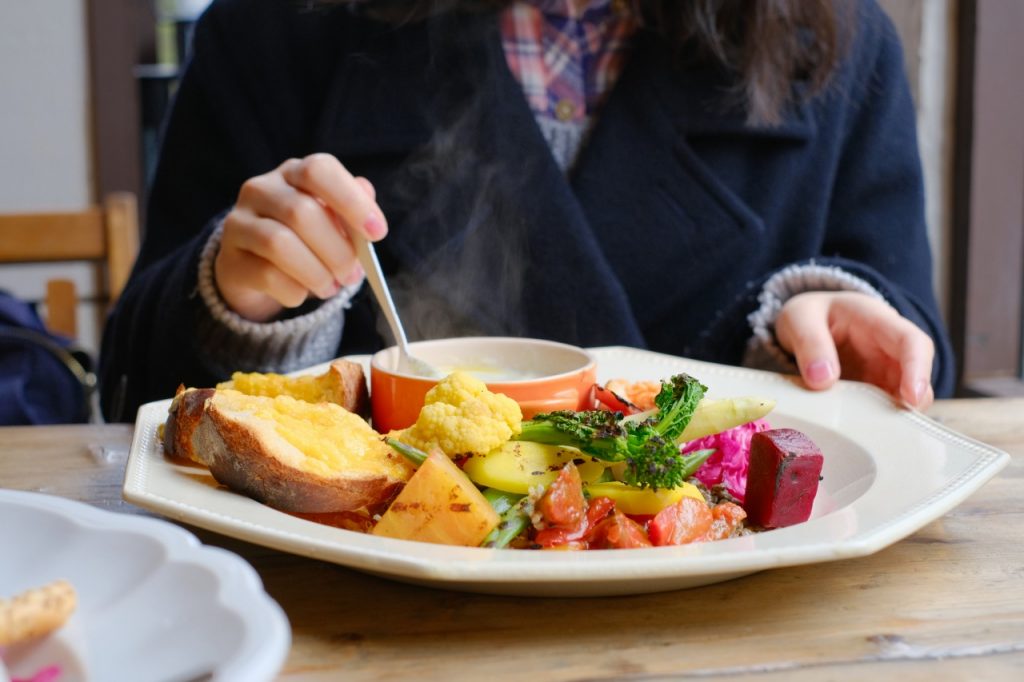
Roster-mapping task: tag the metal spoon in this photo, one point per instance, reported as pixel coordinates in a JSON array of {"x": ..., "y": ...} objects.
[{"x": 407, "y": 363}]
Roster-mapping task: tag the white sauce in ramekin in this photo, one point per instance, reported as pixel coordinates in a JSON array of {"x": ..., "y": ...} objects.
[{"x": 490, "y": 373}]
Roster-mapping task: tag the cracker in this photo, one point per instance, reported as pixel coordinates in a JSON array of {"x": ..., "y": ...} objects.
[{"x": 36, "y": 612}]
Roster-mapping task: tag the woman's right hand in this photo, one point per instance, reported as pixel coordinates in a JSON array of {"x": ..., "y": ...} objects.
[{"x": 287, "y": 236}]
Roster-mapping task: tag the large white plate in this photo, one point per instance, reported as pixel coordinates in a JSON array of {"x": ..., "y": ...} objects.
[
  {"x": 888, "y": 471},
  {"x": 153, "y": 603}
]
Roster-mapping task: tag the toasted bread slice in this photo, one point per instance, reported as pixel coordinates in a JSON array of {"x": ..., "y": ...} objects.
[
  {"x": 343, "y": 384},
  {"x": 36, "y": 612},
  {"x": 293, "y": 455}
]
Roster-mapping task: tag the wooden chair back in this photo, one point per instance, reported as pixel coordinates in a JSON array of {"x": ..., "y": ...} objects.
[{"x": 108, "y": 233}]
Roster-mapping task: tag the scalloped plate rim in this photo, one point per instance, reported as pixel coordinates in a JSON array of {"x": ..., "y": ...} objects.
[{"x": 267, "y": 638}]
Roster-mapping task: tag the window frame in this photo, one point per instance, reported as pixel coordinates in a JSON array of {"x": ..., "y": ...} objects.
[{"x": 987, "y": 278}]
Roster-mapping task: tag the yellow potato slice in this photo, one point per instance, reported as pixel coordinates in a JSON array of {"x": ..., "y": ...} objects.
[{"x": 517, "y": 466}]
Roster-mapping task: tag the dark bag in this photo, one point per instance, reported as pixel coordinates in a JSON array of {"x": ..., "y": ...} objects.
[{"x": 44, "y": 378}]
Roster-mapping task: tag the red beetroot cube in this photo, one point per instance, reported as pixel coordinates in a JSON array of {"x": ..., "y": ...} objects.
[{"x": 785, "y": 467}]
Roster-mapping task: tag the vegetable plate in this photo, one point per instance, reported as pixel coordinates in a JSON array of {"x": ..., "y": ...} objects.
[{"x": 887, "y": 471}]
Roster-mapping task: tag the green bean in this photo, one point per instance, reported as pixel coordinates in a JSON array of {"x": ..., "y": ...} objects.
[
  {"x": 414, "y": 455},
  {"x": 514, "y": 519},
  {"x": 693, "y": 461}
]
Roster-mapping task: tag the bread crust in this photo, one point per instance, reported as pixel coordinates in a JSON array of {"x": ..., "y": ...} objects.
[
  {"x": 249, "y": 458},
  {"x": 183, "y": 417},
  {"x": 355, "y": 396}
]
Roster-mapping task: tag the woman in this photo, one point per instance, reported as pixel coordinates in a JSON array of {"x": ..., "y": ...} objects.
[{"x": 730, "y": 181}]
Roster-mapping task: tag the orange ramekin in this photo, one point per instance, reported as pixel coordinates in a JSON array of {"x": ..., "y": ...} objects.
[{"x": 555, "y": 376}]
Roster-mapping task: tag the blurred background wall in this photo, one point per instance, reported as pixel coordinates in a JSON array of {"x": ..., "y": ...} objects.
[
  {"x": 45, "y": 118},
  {"x": 46, "y": 132},
  {"x": 928, "y": 31}
]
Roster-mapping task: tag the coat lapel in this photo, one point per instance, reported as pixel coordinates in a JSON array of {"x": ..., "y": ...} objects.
[
  {"x": 668, "y": 222},
  {"x": 486, "y": 235}
]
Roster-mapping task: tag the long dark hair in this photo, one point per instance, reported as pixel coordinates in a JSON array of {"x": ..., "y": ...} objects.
[{"x": 768, "y": 45}]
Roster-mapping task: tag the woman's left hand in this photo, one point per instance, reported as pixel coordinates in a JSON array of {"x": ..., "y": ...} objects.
[{"x": 852, "y": 335}]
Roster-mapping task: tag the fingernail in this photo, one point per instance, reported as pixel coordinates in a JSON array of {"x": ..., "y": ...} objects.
[
  {"x": 375, "y": 227},
  {"x": 920, "y": 389},
  {"x": 820, "y": 372}
]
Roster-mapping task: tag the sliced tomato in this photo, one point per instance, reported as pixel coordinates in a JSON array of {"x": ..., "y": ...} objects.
[
  {"x": 618, "y": 531},
  {"x": 558, "y": 538},
  {"x": 610, "y": 400},
  {"x": 726, "y": 519},
  {"x": 597, "y": 510},
  {"x": 562, "y": 505},
  {"x": 688, "y": 520}
]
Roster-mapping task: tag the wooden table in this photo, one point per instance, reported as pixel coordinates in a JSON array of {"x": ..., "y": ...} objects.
[{"x": 945, "y": 603}]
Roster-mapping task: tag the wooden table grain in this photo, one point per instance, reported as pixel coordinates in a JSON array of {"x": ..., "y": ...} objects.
[{"x": 945, "y": 603}]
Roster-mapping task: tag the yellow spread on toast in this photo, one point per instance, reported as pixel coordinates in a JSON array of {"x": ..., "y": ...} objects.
[
  {"x": 332, "y": 439},
  {"x": 313, "y": 389}
]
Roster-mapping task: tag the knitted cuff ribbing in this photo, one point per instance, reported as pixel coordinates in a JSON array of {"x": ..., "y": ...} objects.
[
  {"x": 235, "y": 343},
  {"x": 763, "y": 350}
]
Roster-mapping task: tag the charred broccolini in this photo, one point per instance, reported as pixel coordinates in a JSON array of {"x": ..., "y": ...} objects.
[{"x": 648, "y": 447}]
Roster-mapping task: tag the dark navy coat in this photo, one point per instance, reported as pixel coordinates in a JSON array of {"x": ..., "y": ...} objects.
[{"x": 661, "y": 236}]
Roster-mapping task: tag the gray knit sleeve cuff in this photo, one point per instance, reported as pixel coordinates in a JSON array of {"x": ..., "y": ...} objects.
[
  {"x": 233, "y": 343},
  {"x": 763, "y": 350}
]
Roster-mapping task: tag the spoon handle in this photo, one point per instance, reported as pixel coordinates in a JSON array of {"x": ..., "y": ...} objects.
[{"x": 367, "y": 256}]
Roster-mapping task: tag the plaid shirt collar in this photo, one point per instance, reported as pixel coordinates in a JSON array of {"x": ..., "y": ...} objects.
[{"x": 567, "y": 54}]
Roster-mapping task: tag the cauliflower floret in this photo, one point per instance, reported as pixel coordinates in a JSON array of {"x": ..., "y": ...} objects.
[{"x": 461, "y": 416}]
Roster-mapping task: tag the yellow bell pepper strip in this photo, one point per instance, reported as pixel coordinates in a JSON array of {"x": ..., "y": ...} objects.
[{"x": 642, "y": 501}]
